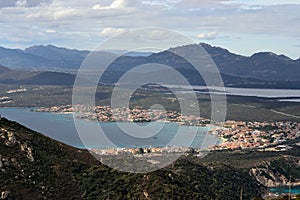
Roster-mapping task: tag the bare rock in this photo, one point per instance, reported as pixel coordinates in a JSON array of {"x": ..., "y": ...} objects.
[
  {"x": 30, "y": 154},
  {"x": 11, "y": 139},
  {"x": 28, "y": 150},
  {"x": 4, "y": 194}
]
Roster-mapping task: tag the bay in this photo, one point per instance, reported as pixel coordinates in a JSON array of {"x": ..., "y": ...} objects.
[{"x": 61, "y": 127}]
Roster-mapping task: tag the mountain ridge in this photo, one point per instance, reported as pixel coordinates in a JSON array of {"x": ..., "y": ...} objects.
[{"x": 262, "y": 68}]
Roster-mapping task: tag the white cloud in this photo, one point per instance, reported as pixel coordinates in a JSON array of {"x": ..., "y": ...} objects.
[
  {"x": 110, "y": 32},
  {"x": 21, "y": 3},
  {"x": 264, "y": 2},
  {"x": 50, "y": 31},
  {"x": 79, "y": 21},
  {"x": 65, "y": 13},
  {"x": 114, "y": 5},
  {"x": 52, "y": 13},
  {"x": 207, "y": 36}
]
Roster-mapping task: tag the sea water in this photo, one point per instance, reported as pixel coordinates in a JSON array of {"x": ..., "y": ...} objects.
[{"x": 61, "y": 127}]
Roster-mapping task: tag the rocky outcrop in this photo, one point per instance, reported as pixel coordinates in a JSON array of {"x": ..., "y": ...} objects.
[
  {"x": 267, "y": 178},
  {"x": 271, "y": 175},
  {"x": 9, "y": 136},
  {"x": 12, "y": 140},
  {"x": 4, "y": 194},
  {"x": 29, "y": 150}
]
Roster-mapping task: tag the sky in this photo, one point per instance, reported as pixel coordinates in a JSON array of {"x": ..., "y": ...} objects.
[{"x": 242, "y": 26}]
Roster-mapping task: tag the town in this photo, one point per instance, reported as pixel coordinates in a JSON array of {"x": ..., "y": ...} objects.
[
  {"x": 260, "y": 135},
  {"x": 137, "y": 114},
  {"x": 264, "y": 136}
]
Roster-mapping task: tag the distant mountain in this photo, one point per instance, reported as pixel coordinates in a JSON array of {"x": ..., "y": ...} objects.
[
  {"x": 266, "y": 66},
  {"x": 8, "y": 76},
  {"x": 4, "y": 69},
  {"x": 60, "y": 57},
  {"x": 15, "y": 58},
  {"x": 130, "y": 53},
  {"x": 45, "y": 58},
  {"x": 263, "y": 69},
  {"x": 57, "y": 53}
]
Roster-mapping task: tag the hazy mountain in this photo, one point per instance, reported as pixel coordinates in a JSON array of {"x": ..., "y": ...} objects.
[
  {"x": 261, "y": 69},
  {"x": 4, "y": 69},
  {"x": 57, "y": 53},
  {"x": 14, "y": 58},
  {"x": 263, "y": 65},
  {"x": 45, "y": 58},
  {"x": 63, "y": 57},
  {"x": 36, "y": 78},
  {"x": 130, "y": 53}
]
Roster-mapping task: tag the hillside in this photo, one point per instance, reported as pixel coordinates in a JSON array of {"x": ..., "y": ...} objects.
[
  {"x": 36, "y": 167},
  {"x": 35, "y": 77},
  {"x": 4, "y": 69}
]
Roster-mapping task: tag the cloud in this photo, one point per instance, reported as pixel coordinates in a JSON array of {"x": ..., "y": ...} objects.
[
  {"x": 79, "y": 22},
  {"x": 114, "y": 5},
  {"x": 264, "y": 2},
  {"x": 23, "y": 3},
  {"x": 54, "y": 14},
  {"x": 207, "y": 36},
  {"x": 50, "y": 31},
  {"x": 110, "y": 32}
]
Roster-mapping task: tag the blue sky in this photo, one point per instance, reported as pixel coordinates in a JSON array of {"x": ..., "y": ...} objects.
[{"x": 242, "y": 26}]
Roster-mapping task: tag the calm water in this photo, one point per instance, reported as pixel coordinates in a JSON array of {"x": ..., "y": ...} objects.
[
  {"x": 61, "y": 127},
  {"x": 257, "y": 92},
  {"x": 285, "y": 190}
]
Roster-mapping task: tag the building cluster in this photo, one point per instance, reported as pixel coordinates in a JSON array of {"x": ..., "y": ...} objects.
[
  {"x": 141, "y": 150},
  {"x": 5, "y": 100},
  {"x": 243, "y": 135},
  {"x": 234, "y": 134},
  {"x": 137, "y": 114},
  {"x": 21, "y": 89}
]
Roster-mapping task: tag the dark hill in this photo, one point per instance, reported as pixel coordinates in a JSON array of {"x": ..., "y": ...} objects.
[
  {"x": 33, "y": 166},
  {"x": 4, "y": 69},
  {"x": 14, "y": 58},
  {"x": 35, "y": 78},
  {"x": 57, "y": 53},
  {"x": 65, "y": 58},
  {"x": 49, "y": 78},
  {"x": 262, "y": 69}
]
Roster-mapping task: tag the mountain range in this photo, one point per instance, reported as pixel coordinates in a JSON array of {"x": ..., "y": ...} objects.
[{"x": 263, "y": 69}]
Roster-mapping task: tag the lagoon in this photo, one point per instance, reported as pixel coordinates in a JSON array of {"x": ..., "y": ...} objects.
[{"x": 252, "y": 92}]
